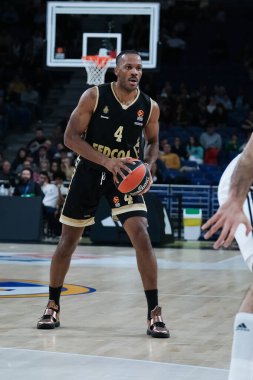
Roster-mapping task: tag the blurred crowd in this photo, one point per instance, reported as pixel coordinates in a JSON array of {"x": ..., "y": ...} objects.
[
  {"x": 201, "y": 131},
  {"x": 42, "y": 168},
  {"x": 24, "y": 83}
]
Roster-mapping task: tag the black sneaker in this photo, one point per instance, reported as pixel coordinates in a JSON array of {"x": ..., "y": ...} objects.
[
  {"x": 156, "y": 326},
  {"x": 50, "y": 318}
]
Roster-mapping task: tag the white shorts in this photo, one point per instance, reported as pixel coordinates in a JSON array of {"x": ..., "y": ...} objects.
[{"x": 245, "y": 242}]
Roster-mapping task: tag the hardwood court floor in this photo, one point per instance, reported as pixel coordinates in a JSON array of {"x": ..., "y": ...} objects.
[{"x": 103, "y": 332}]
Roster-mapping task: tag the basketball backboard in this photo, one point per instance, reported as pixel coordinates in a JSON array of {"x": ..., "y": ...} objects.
[{"x": 76, "y": 29}]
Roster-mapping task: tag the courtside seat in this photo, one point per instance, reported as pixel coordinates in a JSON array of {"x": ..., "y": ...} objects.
[
  {"x": 170, "y": 175},
  {"x": 206, "y": 168},
  {"x": 191, "y": 164},
  {"x": 198, "y": 178}
]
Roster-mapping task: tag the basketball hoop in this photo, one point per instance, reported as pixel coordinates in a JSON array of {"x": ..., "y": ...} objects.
[{"x": 96, "y": 67}]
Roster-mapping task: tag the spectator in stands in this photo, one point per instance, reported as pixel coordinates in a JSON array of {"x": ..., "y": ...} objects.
[
  {"x": 216, "y": 112},
  {"x": 29, "y": 163},
  {"x": 194, "y": 150},
  {"x": 7, "y": 174},
  {"x": 58, "y": 149},
  {"x": 62, "y": 152},
  {"x": 241, "y": 101},
  {"x": 58, "y": 179},
  {"x": 221, "y": 96},
  {"x": 212, "y": 143},
  {"x": 156, "y": 173},
  {"x": 179, "y": 148},
  {"x": 50, "y": 202},
  {"x": 220, "y": 115},
  {"x": 63, "y": 188},
  {"x": 44, "y": 166},
  {"x": 41, "y": 155},
  {"x": 55, "y": 168},
  {"x": 20, "y": 158},
  {"x": 39, "y": 139},
  {"x": 211, "y": 106},
  {"x": 50, "y": 148},
  {"x": 233, "y": 145},
  {"x": 231, "y": 149},
  {"x": 25, "y": 164},
  {"x": 171, "y": 160},
  {"x": 26, "y": 186},
  {"x": 163, "y": 142},
  {"x": 67, "y": 167}
]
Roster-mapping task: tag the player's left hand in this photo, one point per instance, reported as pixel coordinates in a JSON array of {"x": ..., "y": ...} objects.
[{"x": 227, "y": 219}]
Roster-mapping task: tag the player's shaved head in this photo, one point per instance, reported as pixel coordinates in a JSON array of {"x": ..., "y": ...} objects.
[{"x": 124, "y": 52}]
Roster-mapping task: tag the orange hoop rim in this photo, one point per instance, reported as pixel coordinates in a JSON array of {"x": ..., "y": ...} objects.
[{"x": 99, "y": 60}]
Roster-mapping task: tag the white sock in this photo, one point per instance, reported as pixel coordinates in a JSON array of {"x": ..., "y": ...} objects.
[{"x": 241, "y": 366}]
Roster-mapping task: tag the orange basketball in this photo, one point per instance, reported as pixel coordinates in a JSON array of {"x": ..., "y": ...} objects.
[{"x": 136, "y": 181}]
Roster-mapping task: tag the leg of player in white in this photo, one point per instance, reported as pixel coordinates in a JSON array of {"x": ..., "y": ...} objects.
[{"x": 241, "y": 366}]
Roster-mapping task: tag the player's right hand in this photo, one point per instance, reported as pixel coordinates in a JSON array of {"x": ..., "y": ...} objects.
[{"x": 116, "y": 165}]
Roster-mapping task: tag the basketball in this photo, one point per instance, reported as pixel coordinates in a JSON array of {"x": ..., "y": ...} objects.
[{"x": 136, "y": 181}]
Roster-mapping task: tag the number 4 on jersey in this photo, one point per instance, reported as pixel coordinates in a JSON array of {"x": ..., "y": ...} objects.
[{"x": 118, "y": 134}]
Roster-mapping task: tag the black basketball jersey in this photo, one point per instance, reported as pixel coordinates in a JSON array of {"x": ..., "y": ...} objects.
[{"x": 116, "y": 130}]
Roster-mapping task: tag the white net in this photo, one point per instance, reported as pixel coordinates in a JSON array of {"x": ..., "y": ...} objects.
[{"x": 96, "y": 67}]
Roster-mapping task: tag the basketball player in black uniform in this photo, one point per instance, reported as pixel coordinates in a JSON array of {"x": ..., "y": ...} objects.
[{"x": 106, "y": 131}]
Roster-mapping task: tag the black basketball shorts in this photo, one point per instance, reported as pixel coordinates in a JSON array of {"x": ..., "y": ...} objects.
[{"x": 87, "y": 186}]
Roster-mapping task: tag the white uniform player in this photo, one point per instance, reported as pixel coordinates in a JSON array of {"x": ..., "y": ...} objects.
[
  {"x": 245, "y": 242},
  {"x": 234, "y": 218}
]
